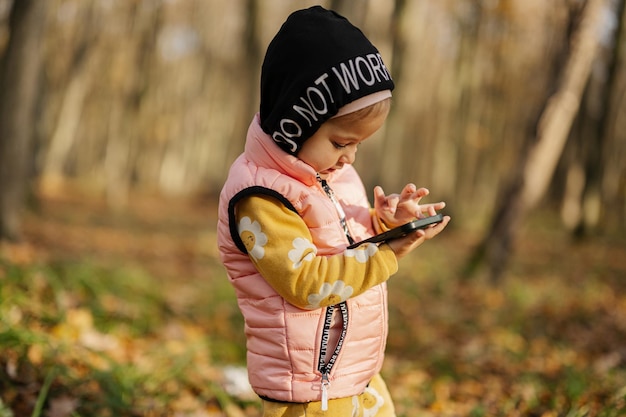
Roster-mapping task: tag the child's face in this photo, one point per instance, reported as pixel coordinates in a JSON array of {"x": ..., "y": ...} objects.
[{"x": 336, "y": 142}]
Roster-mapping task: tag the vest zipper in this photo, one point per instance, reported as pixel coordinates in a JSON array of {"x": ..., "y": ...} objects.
[
  {"x": 325, "y": 385},
  {"x": 323, "y": 366},
  {"x": 326, "y": 367},
  {"x": 342, "y": 215}
]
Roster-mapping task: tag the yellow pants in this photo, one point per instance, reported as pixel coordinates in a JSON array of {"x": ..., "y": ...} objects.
[{"x": 374, "y": 402}]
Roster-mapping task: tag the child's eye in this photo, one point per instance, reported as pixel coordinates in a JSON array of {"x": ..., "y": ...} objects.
[{"x": 339, "y": 145}]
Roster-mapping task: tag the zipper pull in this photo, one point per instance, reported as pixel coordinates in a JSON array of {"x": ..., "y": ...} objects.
[{"x": 325, "y": 385}]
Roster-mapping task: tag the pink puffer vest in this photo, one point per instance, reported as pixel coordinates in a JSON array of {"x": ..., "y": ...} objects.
[{"x": 283, "y": 341}]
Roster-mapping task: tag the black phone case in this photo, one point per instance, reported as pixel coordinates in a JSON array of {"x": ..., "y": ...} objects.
[{"x": 400, "y": 231}]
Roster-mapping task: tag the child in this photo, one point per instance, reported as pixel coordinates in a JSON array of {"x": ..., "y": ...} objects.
[{"x": 315, "y": 312}]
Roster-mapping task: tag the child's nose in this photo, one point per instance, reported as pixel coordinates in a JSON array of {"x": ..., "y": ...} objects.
[{"x": 349, "y": 156}]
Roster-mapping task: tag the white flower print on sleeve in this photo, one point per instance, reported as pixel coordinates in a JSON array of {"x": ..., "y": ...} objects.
[
  {"x": 303, "y": 250},
  {"x": 330, "y": 294},
  {"x": 252, "y": 237},
  {"x": 362, "y": 253}
]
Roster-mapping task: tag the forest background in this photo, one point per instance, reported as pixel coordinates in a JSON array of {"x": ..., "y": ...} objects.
[{"x": 119, "y": 120}]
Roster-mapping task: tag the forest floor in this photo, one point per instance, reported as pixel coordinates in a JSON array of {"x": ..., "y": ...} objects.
[{"x": 129, "y": 313}]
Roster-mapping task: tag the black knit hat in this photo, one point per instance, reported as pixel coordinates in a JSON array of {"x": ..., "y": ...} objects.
[{"x": 317, "y": 63}]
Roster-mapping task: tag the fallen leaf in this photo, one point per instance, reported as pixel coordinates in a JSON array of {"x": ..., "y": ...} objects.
[{"x": 62, "y": 406}]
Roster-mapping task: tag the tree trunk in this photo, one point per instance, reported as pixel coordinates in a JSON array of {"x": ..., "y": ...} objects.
[
  {"x": 537, "y": 167},
  {"x": 392, "y": 154},
  {"x": 19, "y": 73},
  {"x": 353, "y": 10},
  {"x": 591, "y": 196}
]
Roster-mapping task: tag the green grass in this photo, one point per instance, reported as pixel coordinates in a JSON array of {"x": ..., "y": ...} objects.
[
  {"x": 112, "y": 336},
  {"x": 108, "y": 338},
  {"x": 546, "y": 341}
]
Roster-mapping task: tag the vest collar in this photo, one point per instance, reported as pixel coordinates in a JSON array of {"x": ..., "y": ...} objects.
[{"x": 263, "y": 151}]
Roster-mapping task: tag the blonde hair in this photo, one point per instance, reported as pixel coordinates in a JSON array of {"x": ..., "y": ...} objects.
[{"x": 369, "y": 111}]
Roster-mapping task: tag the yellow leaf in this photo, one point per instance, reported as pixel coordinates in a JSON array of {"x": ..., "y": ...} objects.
[{"x": 35, "y": 354}]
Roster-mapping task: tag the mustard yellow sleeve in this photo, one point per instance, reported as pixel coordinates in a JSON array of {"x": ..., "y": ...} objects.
[
  {"x": 379, "y": 225},
  {"x": 280, "y": 245}
]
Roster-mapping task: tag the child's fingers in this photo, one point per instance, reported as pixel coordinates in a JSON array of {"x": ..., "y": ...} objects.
[
  {"x": 408, "y": 191},
  {"x": 383, "y": 202},
  {"x": 379, "y": 196},
  {"x": 432, "y": 208},
  {"x": 406, "y": 244},
  {"x": 434, "y": 230},
  {"x": 422, "y": 192}
]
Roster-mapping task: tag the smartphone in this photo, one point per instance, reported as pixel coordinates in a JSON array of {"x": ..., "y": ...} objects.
[{"x": 400, "y": 231}]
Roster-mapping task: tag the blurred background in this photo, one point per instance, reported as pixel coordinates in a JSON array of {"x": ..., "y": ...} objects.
[
  {"x": 119, "y": 120},
  {"x": 158, "y": 95}
]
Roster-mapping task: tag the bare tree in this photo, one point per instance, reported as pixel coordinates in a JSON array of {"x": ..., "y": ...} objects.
[
  {"x": 537, "y": 167},
  {"x": 19, "y": 72},
  {"x": 596, "y": 151},
  {"x": 157, "y": 96},
  {"x": 354, "y": 10}
]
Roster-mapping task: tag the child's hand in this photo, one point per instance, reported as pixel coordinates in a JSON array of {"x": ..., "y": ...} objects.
[
  {"x": 406, "y": 244},
  {"x": 396, "y": 209}
]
